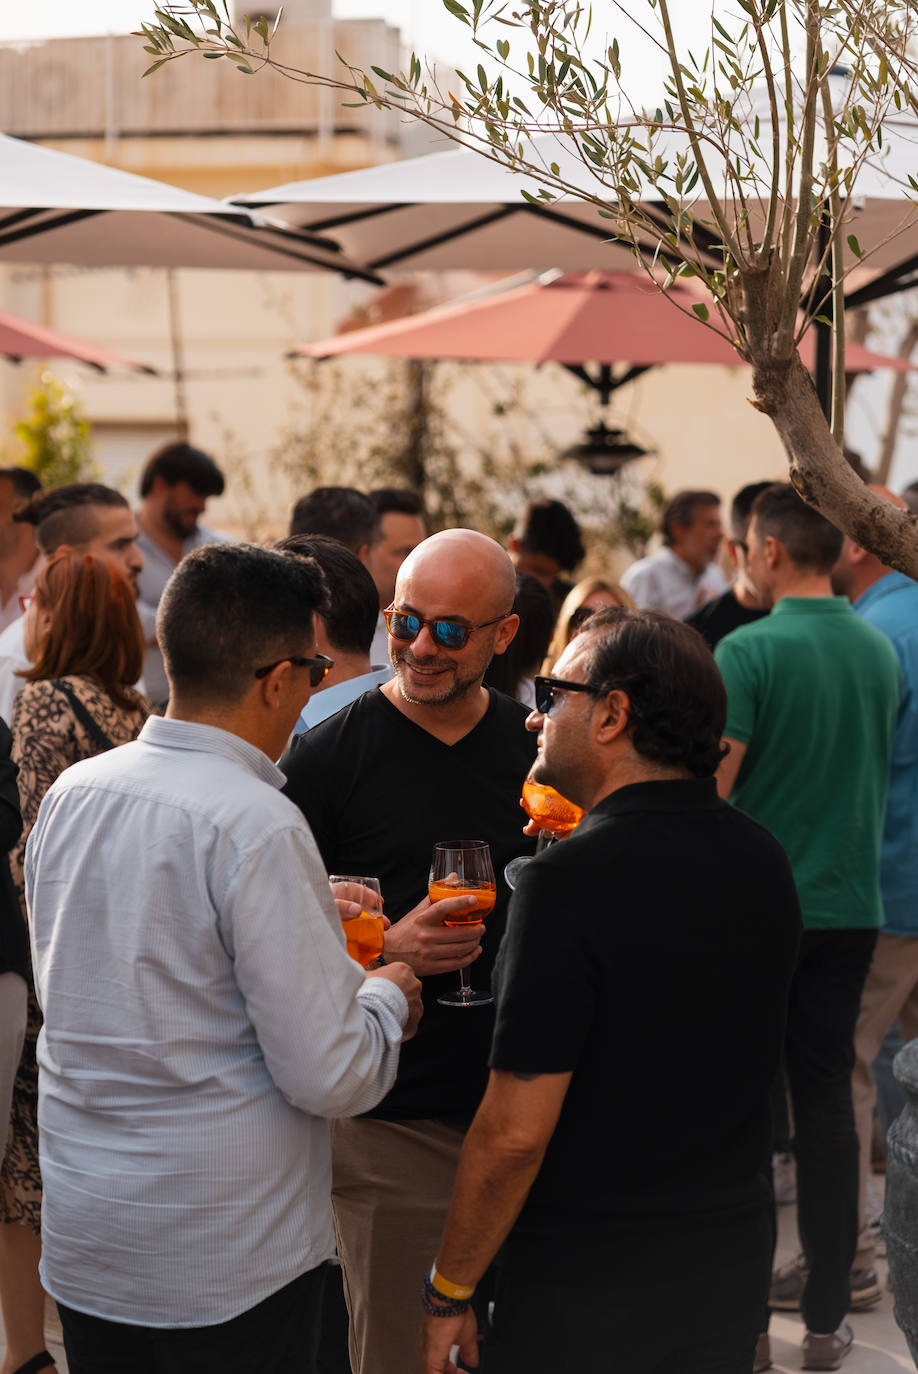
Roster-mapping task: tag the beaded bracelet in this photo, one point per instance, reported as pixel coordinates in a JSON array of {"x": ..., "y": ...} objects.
[{"x": 445, "y": 1307}]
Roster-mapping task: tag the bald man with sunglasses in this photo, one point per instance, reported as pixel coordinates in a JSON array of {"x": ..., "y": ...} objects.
[{"x": 431, "y": 755}]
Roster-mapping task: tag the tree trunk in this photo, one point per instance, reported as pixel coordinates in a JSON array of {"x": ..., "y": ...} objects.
[{"x": 820, "y": 473}]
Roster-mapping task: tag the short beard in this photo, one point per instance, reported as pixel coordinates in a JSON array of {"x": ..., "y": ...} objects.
[
  {"x": 178, "y": 527},
  {"x": 453, "y": 691}
]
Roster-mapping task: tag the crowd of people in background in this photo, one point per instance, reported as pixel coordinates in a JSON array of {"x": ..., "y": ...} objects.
[{"x": 737, "y": 715}]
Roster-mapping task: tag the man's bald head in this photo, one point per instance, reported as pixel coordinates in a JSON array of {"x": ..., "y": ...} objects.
[
  {"x": 466, "y": 557},
  {"x": 461, "y": 576}
]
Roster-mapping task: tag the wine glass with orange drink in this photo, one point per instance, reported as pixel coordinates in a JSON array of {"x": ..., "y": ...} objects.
[
  {"x": 555, "y": 815},
  {"x": 462, "y": 868}
]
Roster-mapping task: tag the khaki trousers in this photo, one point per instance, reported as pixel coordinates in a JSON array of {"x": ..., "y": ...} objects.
[
  {"x": 391, "y": 1185},
  {"x": 890, "y": 993}
]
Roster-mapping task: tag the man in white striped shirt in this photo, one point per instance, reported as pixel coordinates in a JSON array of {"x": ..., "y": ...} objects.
[{"x": 202, "y": 1019}]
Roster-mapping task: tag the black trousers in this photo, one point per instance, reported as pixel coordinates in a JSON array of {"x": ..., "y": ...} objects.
[
  {"x": 677, "y": 1298},
  {"x": 825, "y": 998},
  {"x": 280, "y": 1333}
]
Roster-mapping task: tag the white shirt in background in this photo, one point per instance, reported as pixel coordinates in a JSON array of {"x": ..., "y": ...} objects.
[{"x": 665, "y": 582}]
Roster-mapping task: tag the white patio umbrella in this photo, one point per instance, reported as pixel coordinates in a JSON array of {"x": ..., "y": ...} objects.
[
  {"x": 458, "y": 209},
  {"x": 450, "y": 209},
  {"x": 55, "y": 208}
]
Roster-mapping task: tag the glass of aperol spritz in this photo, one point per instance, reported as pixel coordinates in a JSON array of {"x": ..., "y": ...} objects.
[
  {"x": 462, "y": 868},
  {"x": 555, "y": 815},
  {"x": 364, "y": 933}
]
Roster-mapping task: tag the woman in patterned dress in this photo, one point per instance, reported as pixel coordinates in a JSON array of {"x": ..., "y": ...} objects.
[{"x": 84, "y": 639}]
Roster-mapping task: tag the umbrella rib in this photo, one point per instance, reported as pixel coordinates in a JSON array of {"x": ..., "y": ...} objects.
[
  {"x": 29, "y": 231},
  {"x": 606, "y": 383},
  {"x": 446, "y": 236},
  {"x": 648, "y": 251},
  {"x": 244, "y": 237},
  {"x": 353, "y": 216},
  {"x": 18, "y": 216},
  {"x": 884, "y": 285}
]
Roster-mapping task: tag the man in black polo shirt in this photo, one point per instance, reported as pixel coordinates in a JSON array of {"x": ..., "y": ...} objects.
[
  {"x": 431, "y": 755},
  {"x": 643, "y": 977}
]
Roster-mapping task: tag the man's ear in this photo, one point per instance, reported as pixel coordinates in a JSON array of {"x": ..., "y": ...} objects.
[
  {"x": 614, "y": 716},
  {"x": 506, "y": 634},
  {"x": 774, "y": 551},
  {"x": 273, "y": 687}
]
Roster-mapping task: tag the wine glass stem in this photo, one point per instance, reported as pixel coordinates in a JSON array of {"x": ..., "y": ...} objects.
[
  {"x": 465, "y": 986},
  {"x": 546, "y": 837}
]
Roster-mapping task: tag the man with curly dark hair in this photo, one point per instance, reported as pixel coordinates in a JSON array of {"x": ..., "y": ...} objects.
[{"x": 643, "y": 977}]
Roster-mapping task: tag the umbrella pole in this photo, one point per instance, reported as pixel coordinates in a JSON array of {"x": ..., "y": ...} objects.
[
  {"x": 178, "y": 355},
  {"x": 822, "y": 362}
]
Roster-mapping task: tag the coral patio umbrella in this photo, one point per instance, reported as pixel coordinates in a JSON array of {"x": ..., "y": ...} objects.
[
  {"x": 573, "y": 319},
  {"x": 21, "y": 339}
]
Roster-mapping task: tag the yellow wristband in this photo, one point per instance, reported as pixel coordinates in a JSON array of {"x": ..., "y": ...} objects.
[{"x": 457, "y": 1291}]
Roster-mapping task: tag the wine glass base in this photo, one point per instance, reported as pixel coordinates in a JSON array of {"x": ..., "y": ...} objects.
[{"x": 465, "y": 997}]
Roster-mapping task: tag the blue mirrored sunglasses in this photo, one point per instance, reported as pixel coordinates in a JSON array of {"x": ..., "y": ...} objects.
[{"x": 448, "y": 634}]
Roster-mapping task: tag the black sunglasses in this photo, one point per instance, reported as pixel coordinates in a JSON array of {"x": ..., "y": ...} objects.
[
  {"x": 448, "y": 634},
  {"x": 318, "y": 667},
  {"x": 546, "y": 687}
]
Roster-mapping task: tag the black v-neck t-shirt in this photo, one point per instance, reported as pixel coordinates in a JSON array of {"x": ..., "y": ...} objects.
[{"x": 378, "y": 791}]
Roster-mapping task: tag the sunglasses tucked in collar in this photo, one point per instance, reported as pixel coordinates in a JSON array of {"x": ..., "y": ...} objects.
[{"x": 448, "y": 634}]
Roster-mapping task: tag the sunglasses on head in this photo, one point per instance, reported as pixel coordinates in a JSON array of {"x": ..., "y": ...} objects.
[
  {"x": 318, "y": 667},
  {"x": 448, "y": 634}
]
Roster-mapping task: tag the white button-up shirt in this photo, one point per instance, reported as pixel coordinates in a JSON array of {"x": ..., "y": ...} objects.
[
  {"x": 201, "y": 1019},
  {"x": 665, "y": 582}
]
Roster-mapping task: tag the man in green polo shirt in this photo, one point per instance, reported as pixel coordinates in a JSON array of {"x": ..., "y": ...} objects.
[{"x": 813, "y": 694}]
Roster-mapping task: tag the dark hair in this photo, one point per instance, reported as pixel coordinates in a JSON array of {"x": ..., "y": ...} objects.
[
  {"x": 533, "y": 604},
  {"x": 678, "y": 699},
  {"x": 25, "y": 483},
  {"x": 95, "y": 629},
  {"x": 179, "y": 462},
  {"x": 229, "y": 609},
  {"x": 65, "y": 515},
  {"x": 352, "y": 608},
  {"x": 808, "y": 538},
  {"x": 680, "y": 510},
  {"x": 548, "y": 527},
  {"x": 341, "y": 513},
  {"x": 741, "y": 507},
  {"x": 400, "y": 500}
]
